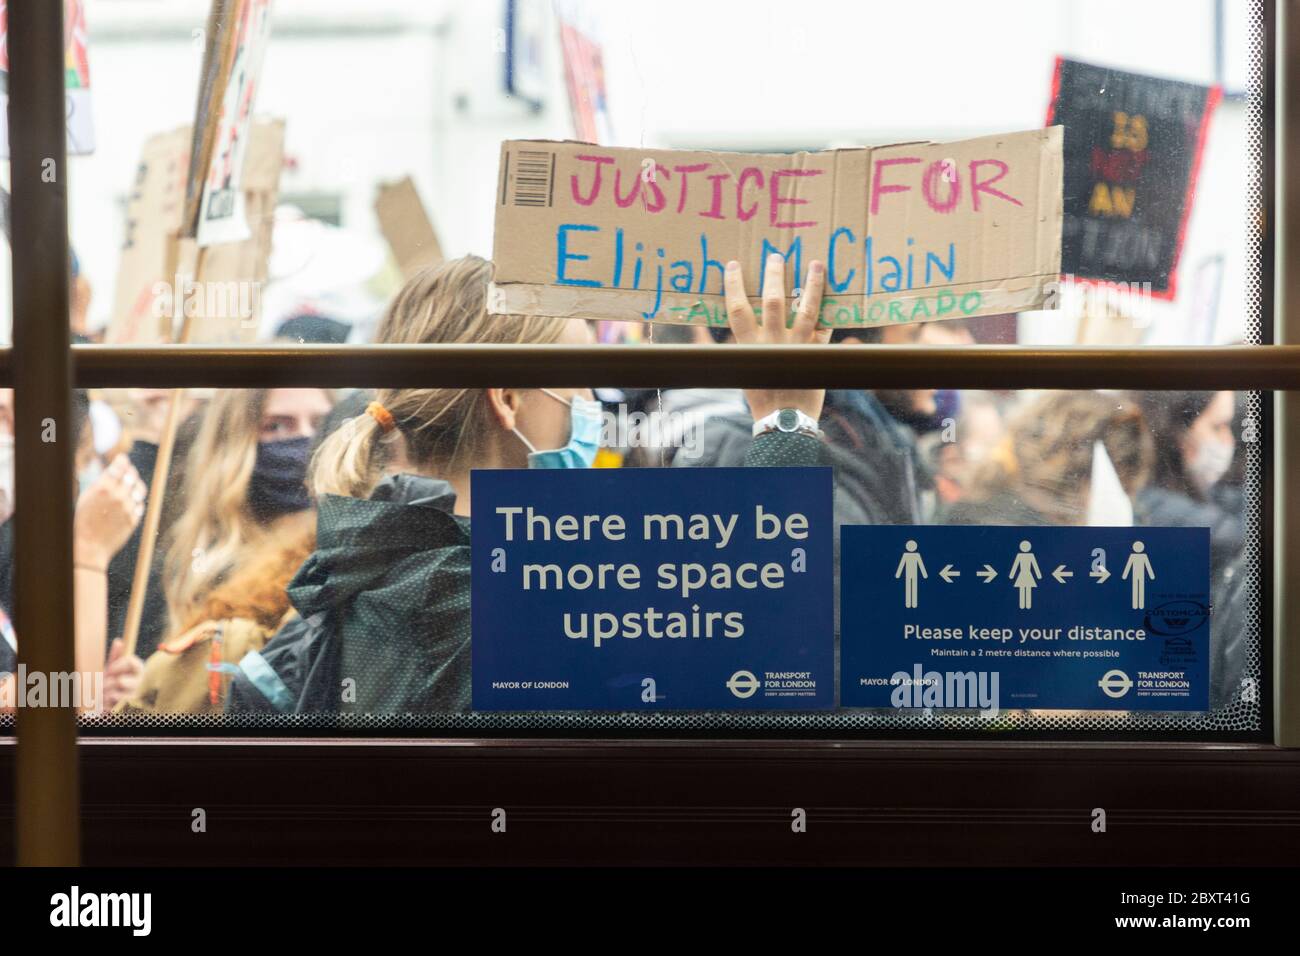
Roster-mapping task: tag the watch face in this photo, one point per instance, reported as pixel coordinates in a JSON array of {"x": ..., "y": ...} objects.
[{"x": 787, "y": 420}]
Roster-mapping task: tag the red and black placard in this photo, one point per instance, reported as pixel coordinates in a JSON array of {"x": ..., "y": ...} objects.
[{"x": 1133, "y": 146}]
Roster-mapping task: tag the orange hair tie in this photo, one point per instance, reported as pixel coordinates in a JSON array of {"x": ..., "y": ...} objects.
[{"x": 382, "y": 415}]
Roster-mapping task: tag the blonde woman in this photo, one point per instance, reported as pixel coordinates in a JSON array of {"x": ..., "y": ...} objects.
[
  {"x": 384, "y": 621},
  {"x": 245, "y": 474}
]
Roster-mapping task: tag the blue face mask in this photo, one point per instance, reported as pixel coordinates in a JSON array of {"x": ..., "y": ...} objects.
[{"x": 584, "y": 437}]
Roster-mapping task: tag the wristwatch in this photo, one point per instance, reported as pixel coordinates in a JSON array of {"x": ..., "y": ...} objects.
[{"x": 788, "y": 420}]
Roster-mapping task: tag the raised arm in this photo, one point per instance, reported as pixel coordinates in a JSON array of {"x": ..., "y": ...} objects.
[
  {"x": 106, "y": 516},
  {"x": 776, "y": 326}
]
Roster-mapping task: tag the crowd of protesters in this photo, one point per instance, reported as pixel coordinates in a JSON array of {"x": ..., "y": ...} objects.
[{"x": 307, "y": 534}]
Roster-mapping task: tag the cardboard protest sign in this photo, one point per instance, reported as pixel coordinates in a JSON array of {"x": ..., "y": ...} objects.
[
  {"x": 233, "y": 274},
  {"x": 1133, "y": 147},
  {"x": 908, "y": 233},
  {"x": 157, "y": 265},
  {"x": 153, "y": 214},
  {"x": 406, "y": 226},
  {"x": 222, "y": 216},
  {"x": 76, "y": 68}
]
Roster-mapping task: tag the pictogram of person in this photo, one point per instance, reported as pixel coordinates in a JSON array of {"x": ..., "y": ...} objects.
[
  {"x": 908, "y": 568},
  {"x": 1025, "y": 575},
  {"x": 1140, "y": 565}
]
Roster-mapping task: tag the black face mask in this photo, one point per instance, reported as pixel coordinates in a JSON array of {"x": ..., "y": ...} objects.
[
  {"x": 899, "y": 406},
  {"x": 278, "y": 486}
]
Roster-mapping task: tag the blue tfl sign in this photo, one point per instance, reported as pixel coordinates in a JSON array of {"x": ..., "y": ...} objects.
[{"x": 1049, "y": 617}]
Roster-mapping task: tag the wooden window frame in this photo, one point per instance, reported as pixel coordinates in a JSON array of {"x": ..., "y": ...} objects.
[{"x": 618, "y": 801}]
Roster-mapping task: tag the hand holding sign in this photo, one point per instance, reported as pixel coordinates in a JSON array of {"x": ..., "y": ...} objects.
[{"x": 779, "y": 329}]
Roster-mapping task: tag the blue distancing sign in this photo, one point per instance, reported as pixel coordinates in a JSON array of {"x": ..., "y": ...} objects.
[
  {"x": 652, "y": 589},
  {"x": 1004, "y": 618}
]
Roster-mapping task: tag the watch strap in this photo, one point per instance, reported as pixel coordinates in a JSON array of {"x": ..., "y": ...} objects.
[{"x": 790, "y": 421}]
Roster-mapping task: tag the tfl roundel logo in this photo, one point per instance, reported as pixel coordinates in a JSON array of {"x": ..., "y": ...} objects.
[
  {"x": 743, "y": 684},
  {"x": 1115, "y": 683}
]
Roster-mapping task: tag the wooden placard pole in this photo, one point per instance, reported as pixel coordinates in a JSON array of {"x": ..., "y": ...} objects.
[
  {"x": 218, "y": 59},
  {"x": 157, "y": 492}
]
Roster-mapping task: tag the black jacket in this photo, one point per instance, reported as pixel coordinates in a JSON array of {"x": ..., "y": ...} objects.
[
  {"x": 8, "y": 657},
  {"x": 121, "y": 572},
  {"x": 876, "y": 466},
  {"x": 1162, "y": 507}
]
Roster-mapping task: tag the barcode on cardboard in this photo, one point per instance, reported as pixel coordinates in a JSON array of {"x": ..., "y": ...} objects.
[{"x": 534, "y": 179}]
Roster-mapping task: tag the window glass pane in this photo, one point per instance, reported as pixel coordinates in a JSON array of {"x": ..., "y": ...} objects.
[
  {"x": 356, "y": 180},
  {"x": 361, "y": 595}
]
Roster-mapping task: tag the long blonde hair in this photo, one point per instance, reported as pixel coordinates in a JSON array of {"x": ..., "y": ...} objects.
[
  {"x": 216, "y": 524},
  {"x": 441, "y": 426}
]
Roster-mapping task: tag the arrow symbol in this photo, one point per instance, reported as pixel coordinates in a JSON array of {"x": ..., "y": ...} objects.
[
  {"x": 948, "y": 573},
  {"x": 1101, "y": 574},
  {"x": 1061, "y": 574},
  {"x": 988, "y": 574}
]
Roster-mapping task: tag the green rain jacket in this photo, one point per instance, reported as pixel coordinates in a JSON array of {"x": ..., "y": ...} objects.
[{"x": 383, "y": 608}]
